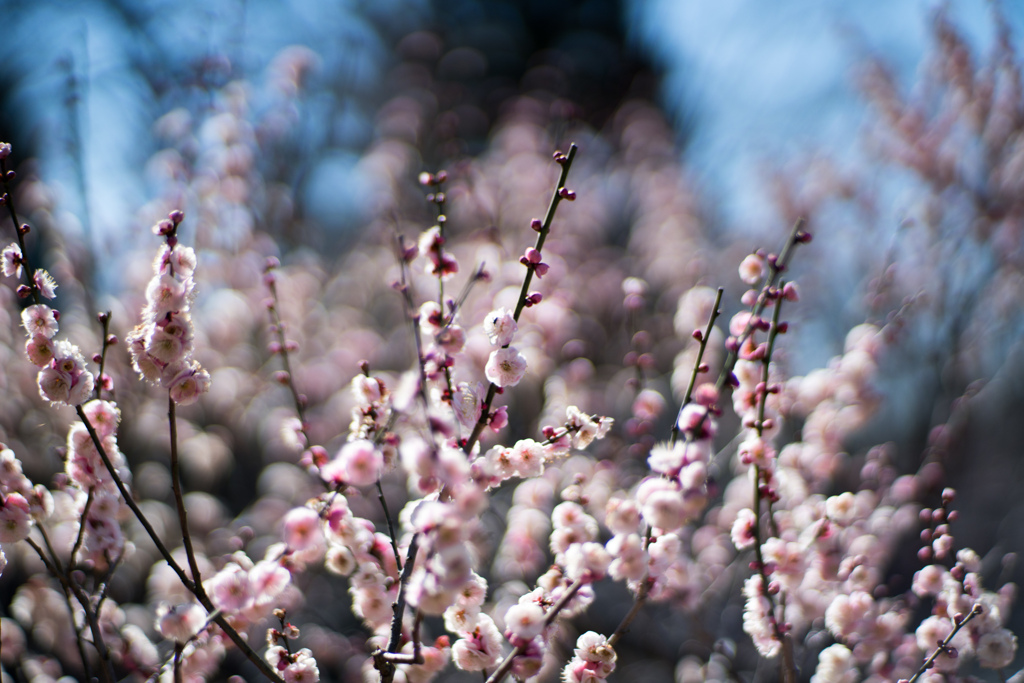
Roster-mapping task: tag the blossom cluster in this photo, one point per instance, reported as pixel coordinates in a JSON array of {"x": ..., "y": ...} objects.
[{"x": 162, "y": 344}]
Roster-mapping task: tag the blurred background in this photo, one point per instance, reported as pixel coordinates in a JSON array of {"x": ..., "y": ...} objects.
[
  {"x": 743, "y": 83},
  {"x": 861, "y": 116}
]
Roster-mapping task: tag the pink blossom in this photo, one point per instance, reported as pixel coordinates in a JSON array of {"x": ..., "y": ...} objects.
[
  {"x": 165, "y": 294},
  {"x": 39, "y": 350},
  {"x": 528, "y": 458},
  {"x": 358, "y": 463},
  {"x": 179, "y": 623},
  {"x": 188, "y": 383},
  {"x": 744, "y": 529},
  {"x": 39, "y": 320},
  {"x": 65, "y": 380},
  {"x": 480, "y": 648},
  {"x": 230, "y": 589},
  {"x": 467, "y": 404},
  {"x": 594, "y": 648},
  {"x": 696, "y": 420},
  {"x": 367, "y": 390},
  {"x": 45, "y": 284},
  {"x": 15, "y": 519},
  {"x": 997, "y": 649},
  {"x": 500, "y": 327},
  {"x": 587, "y": 560},
  {"x": 498, "y": 419},
  {"x": 629, "y": 557},
  {"x": 104, "y": 417},
  {"x": 583, "y": 428},
  {"x": 753, "y": 269},
  {"x": 505, "y": 367},
  {"x": 302, "y": 668},
  {"x": 302, "y": 529},
  {"x": 11, "y": 261},
  {"x": 524, "y": 621}
]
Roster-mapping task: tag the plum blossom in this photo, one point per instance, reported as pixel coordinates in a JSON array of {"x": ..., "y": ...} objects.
[
  {"x": 12, "y": 261},
  {"x": 44, "y": 283},
  {"x": 65, "y": 379},
  {"x": 359, "y": 463},
  {"x": 525, "y": 621},
  {"x": 179, "y": 623},
  {"x": 39, "y": 320},
  {"x": 753, "y": 269},
  {"x": 505, "y": 367},
  {"x": 744, "y": 529},
  {"x": 479, "y": 648},
  {"x": 500, "y": 327},
  {"x": 15, "y": 518}
]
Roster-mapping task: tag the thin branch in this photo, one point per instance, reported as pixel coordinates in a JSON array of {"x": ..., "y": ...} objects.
[
  {"x": 179, "y": 500},
  {"x": 944, "y": 645}
]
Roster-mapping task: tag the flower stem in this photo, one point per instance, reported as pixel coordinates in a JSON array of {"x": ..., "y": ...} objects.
[{"x": 179, "y": 500}]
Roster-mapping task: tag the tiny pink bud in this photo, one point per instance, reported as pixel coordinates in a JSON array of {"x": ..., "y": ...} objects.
[
  {"x": 176, "y": 216},
  {"x": 426, "y": 179},
  {"x": 112, "y": 340},
  {"x": 532, "y": 255},
  {"x": 803, "y": 237},
  {"x": 24, "y": 229},
  {"x": 567, "y": 194},
  {"x": 96, "y": 358},
  {"x": 536, "y": 224},
  {"x": 440, "y": 176},
  {"x": 281, "y": 377},
  {"x": 948, "y": 496},
  {"x": 271, "y": 263},
  {"x": 24, "y": 291},
  {"x": 698, "y": 335}
]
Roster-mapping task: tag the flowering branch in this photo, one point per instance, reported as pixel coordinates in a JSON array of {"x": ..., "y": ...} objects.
[
  {"x": 525, "y": 298},
  {"x": 20, "y": 260},
  {"x": 943, "y": 646},
  {"x": 698, "y": 366},
  {"x": 549, "y": 618}
]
